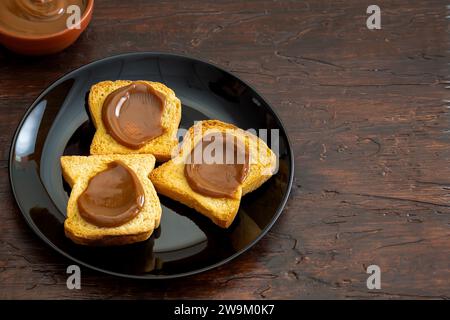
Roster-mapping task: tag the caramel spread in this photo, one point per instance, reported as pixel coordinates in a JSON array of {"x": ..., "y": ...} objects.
[
  {"x": 112, "y": 197},
  {"x": 221, "y": 175},
  {"x": 36, "y": 17},
  {"x": 132, "y": 114}
]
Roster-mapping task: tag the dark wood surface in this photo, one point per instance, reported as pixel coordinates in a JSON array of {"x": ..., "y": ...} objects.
[{"x": 368, "y": 121}]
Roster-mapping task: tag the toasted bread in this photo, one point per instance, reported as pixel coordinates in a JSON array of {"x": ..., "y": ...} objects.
[
  {"x": 169, "y": 178},
  {"x": 161, "y": 147},
  {"x": 77, "y": 171}
]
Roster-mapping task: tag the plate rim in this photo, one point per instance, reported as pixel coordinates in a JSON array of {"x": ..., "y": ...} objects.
[{"x": 36, "y": 230}]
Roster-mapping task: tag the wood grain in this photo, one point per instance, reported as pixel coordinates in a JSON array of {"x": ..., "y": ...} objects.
[{"x": 367, "y": 117}]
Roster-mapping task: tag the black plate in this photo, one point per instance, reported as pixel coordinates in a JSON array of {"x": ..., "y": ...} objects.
[{"x": 186, "y": 243}]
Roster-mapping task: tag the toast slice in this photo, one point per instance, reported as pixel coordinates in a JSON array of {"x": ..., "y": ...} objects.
[
  {"x": 169, "y": 178},
  {"x": 77, "y": 171},
  {"x": 161, "y": 147}
]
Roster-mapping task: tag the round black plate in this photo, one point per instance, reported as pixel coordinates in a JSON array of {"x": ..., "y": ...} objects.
[{"x": 186, "y": 243}]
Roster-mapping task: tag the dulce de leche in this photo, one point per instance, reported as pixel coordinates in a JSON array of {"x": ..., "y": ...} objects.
[
  {"x": 221, "y": 174},
  {"x": 112, "y": 197},
  {"x": 30, "y": 18},
  {"x": 132, "y": 114}
]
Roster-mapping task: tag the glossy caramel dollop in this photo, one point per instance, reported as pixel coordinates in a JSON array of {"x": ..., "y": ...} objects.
[
  {"x": 221, "y": 174},
  {"x": 112, "y": 197},
  {"x": 132, "y": 114}
]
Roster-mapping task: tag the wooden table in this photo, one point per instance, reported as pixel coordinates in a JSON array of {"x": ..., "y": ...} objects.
[{"x": 367, "y": 116}]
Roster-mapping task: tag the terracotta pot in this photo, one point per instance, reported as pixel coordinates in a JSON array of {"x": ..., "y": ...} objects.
[{"x": 46, "y": 44}]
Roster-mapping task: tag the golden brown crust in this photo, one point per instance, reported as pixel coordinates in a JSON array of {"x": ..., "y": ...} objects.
[
  {"x": 161, "y": 147},
  {"x": 221, "y": 211},
  {"x": 170, "y": 181},
  {"x": 77, "y": 170},
  {"x": 108, "y": 240}
]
